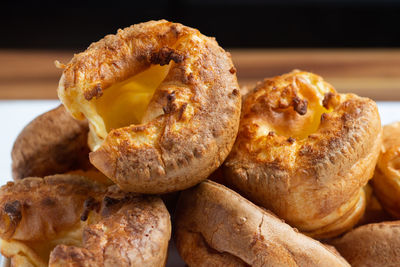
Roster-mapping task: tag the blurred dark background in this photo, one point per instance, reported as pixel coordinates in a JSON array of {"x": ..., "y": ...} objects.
[{"x": 235, "y": 23}]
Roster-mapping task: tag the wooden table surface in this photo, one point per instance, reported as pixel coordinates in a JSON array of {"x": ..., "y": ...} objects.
[{"x": 374, "y": 73}]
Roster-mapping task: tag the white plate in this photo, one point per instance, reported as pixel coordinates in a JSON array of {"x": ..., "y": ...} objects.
[{"x": 14, "y": 115}]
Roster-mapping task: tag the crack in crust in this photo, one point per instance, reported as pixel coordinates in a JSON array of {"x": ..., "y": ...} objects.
[{"x": 215, "y": 226}]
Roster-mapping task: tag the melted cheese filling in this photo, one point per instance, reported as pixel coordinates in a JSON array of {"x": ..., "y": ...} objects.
[
  {"x": 123, "y": 103},
  {"x": 308, "y": 125},
  {"x": 299, "y": 129},
  {"x": 288, "y": 123}
]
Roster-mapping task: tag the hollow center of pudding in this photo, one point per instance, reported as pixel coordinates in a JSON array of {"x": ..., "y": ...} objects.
[
  {"x": 297, "y": 113},
  {"x": 300, "y": 126},
  {"x": 38, "y": 252},
  {"x": 125, "y": 103},
  {"x": 73, "y": 237}
]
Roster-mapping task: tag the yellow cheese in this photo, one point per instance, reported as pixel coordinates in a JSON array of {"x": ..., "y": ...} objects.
[{"x": 125, "y": 103}]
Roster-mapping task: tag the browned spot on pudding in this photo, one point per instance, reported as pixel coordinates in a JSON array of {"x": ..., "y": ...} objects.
[
  {"x": 300, "y": 105},
  {"x": 13, "y": 210},
  {"x": 89, "y": 205},
  {"x": 95, "y": 92},
  {"x": 291, "y": 140},
  {"x": 165, "y": 55},
  {"x": 327, "y": 99}
]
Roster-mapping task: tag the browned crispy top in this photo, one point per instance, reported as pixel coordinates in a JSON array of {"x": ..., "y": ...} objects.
[
  {"x": 118, "y": 57},
  {"x": 38, "y": 208},
  {"x": 134, "y": 232},
  {"x": 191, "y": 121},
  {"x": 115, "y": 227},
  {"x": 304, "y": 150}
]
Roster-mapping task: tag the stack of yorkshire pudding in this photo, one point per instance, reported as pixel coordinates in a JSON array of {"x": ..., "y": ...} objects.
[{"x": 153, "y": 117}]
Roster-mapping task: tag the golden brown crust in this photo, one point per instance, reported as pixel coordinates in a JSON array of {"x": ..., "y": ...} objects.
[
  {"x": 52, "y": 143},
  {"x": 196, "y": 252},
  {"x": 76, "y": 217},
  {"x": 217, "y": 227},
  {"x": 135, "y": 235},
  {"x": 305, "y": 152},
  {"x": 375, "y": 244},
  {"x": 386, "y": 181},
  {"x": 374, "y": 211},
  {"x": 39, "y": 208},
  {"x": 191, "y": 121}
]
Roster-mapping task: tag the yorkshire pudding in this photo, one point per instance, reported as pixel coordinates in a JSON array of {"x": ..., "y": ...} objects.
[
  {"x": 162, "y": 101},
  {"x": 374, "y": 211},
  {"x": 217, "y": 227},
  {"x": 305, "y": 152},
  {"x": 386, "y": 181},
  {"x": 69, "y": 220},
  {"x": 376, "y": 244},
  {"x": 52, "y": 143}
]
